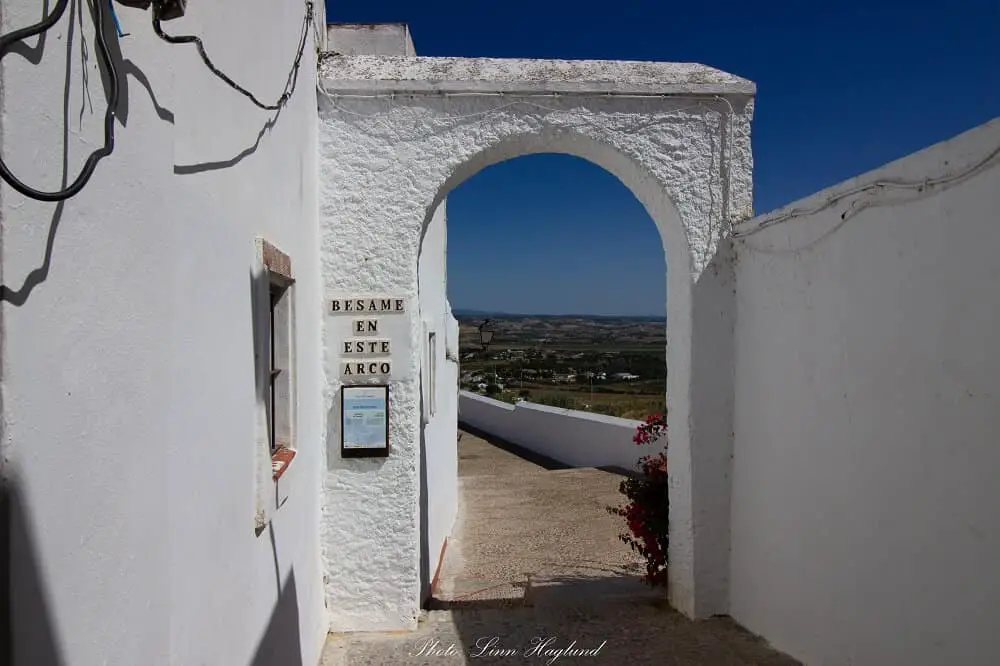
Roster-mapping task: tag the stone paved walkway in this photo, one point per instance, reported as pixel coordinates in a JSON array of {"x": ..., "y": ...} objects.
[{"x": 535, "y": 557}]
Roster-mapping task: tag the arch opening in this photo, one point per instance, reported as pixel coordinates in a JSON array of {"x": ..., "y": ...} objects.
[{"x": 659, "y": 207}]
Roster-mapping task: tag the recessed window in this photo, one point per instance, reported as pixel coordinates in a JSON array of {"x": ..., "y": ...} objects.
[
  {"x": 279, "y": 369},
  {"x": 277, "y": 360},
  {"x": 432, "y": 373}
]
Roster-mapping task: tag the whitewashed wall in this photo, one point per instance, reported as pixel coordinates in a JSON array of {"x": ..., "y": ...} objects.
[
  {"x": 128, "y": 368},
  {"x": 864, "y": 505},
  {"x": 370, "y": 39},
  {"x": 386, "y": 163},
  {"x": 574, "y": 438},
  {"x": 439, "y": 491}
]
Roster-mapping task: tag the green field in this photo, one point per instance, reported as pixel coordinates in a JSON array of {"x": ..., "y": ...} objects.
[
  {"x": 627, "y": 400},
  {"x": 534, "y": 375},
  {"x": 600, "y": 348},
  {"x": 634, "y": 406}
]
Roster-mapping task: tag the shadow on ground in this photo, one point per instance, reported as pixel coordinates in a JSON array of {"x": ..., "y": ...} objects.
[
  {"x": 600, "y": 619},
  {"x": 535, "y": 567},
  {"x": 525, "y": 454},
  {"x": 616, "y": 633},
  {"x": 636, "y": 633}
]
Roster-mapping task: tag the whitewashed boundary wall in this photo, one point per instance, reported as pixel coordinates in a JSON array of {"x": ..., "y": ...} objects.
[
  {"x": 572, "y": 437},
  {"x": 865, "y": 494}
]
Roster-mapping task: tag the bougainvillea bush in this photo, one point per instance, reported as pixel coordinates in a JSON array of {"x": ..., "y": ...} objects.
[{"x": 645, "y": 513}]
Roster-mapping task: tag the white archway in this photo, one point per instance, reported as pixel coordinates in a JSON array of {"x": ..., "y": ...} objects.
[{"x": 396, "y": 135}]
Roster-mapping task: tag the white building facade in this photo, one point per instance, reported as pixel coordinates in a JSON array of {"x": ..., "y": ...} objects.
[{"x": 144, "y": 525}]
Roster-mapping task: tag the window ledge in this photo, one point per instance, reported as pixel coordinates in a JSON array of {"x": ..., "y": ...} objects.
[{"x": 281, "y": 458}]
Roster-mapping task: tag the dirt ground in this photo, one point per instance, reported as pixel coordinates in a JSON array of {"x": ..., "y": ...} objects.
[{"x": 535, "y": 573}]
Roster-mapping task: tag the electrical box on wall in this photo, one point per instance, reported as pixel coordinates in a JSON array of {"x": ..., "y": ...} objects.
[
  {"x": 165, "y": 9},
  {"x": 170, "y": 9}
]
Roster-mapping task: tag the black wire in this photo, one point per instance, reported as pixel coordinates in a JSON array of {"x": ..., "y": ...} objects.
[
  {"x": 292, "y": 76},
  {"x": 6, "y": 41}
]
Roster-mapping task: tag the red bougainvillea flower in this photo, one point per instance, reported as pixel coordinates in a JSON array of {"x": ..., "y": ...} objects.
[
  {"x": 646, "y": 513},
  {"x": 650, "y": 430}
]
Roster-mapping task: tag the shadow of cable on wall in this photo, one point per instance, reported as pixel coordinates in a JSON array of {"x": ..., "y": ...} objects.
[
  {"x": 126, "y": 68},
  {"x": 291, "y": 83},
  {"x": 201, "y": 167}
]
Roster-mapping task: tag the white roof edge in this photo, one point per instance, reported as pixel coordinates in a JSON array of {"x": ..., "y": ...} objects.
[
  {"x": 348, "y": 87},
  {"x": 973, "y": 145},
  {"x": 427, "y": 75}
]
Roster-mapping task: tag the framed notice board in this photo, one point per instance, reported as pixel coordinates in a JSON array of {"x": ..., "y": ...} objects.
[{"x": 364, "y": 421}]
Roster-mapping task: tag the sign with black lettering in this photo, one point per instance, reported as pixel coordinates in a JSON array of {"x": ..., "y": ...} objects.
[
  {"x": 366, "y": 347},
  {"x": 365, "y": 335},
  {"x": 367, "y": 306},
  {"x": 365, "y": 327},
  {"x": 365, "y": 369}
]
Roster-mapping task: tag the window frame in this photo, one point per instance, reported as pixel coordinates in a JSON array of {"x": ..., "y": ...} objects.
[
  {"x": 431, "y": 373},
  {"x": 280, "y": 353},
  {"x": 278, "y": 364},
  {"x": 273, "y": 316}
]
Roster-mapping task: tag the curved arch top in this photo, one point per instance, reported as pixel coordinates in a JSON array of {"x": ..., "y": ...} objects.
[
  {"x": 694, "y": 149},
  {"x": 643, "y": 186}
]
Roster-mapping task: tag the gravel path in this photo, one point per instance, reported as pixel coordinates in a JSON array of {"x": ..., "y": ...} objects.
[{"x": 535, "y": 567}]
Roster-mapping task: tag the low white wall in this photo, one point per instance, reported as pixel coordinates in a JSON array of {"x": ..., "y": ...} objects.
[
  {"x": 574, "y": 438},
  {"x": 864, "y": 503}
]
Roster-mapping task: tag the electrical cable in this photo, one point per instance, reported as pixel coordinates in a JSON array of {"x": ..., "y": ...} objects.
[
  {"x": 7, "y": 41},
  {"x": 518, "y": 98},
  {"x": 868, "y": 188},
  {"x": 118, "y": 24},
  {"x": 292, "y": 76}
]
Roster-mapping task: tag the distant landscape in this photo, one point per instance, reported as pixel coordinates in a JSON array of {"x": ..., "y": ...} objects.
[
  {"x": 472, "y": 314},
  {"x": 603, "y": 364}
]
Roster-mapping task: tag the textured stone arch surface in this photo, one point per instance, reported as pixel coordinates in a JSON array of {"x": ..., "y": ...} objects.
[{"x": 387, "y": 163}]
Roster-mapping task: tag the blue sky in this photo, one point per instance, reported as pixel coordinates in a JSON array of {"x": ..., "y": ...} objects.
[{"x": 842, "y": 88}]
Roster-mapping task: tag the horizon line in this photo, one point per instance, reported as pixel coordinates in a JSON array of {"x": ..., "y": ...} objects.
[{"x": 500, "y": 313}]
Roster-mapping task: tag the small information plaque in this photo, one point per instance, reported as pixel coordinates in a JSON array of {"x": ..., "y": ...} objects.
[{"x": 364, "y": 421}]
